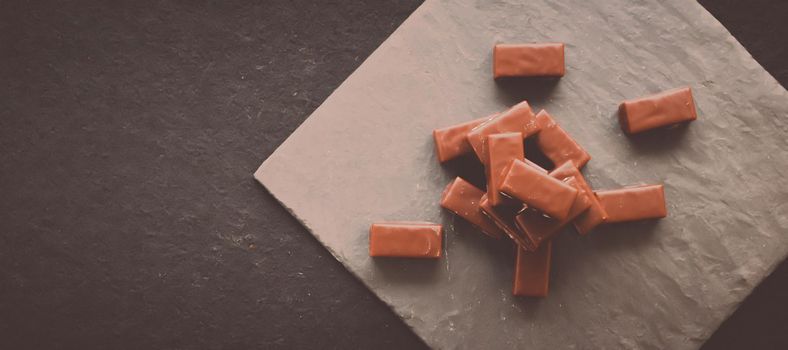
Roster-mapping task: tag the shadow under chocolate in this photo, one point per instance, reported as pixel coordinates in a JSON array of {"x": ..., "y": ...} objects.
[
  {"x": 536, "y": 90},
  {"x": 658, "y": 141},
  {"x": 404, "y": 271},
  {"x": 624, "y": 236}
]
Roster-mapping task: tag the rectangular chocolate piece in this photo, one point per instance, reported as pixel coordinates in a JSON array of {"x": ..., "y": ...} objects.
[
  {"x": 519, "y": 118},
  {"x": 595, "y": 214},
  {"x": 538, "y": 190},
  {"x": 405, "y": 240},
  {"x": 538, "y": 228},
  {"x": 528, "y": 60},
  {"x": 451, "y": 142},
  {"x": 665, "y": 108},
  {"x": 462, "y": 198},
  {"x": 503, "y": 217},
  {"x": 634, "y": 203},
  {"x": 556, "y": 144},
  {"x": 502, "y": 149},
  {"x": 532, "y": 271}
]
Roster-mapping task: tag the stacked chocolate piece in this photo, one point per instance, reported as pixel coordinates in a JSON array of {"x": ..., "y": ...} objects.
[{"x": 527, "y": 203}]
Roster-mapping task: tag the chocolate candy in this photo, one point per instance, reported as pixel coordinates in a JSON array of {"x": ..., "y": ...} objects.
[
  {"x": 665, "y": 108},
  {"x": 462, "y": 198},
  {"x": 519, "y": 118},
  {"x": 633, "y": 203},
  {"x": 532, "y": 271},
  {"x": 501, "y": 150},
  {"x": 595, "y": 214},
  {"x": 503, "y": 217},
  {"x": 451, "y": 142},
  {"x": 405, "y": 240},
  {"x": 528, "y": 60},
  {"x": 556, "y": 144},
  {"x": 538, "y": 228},
  {"x": 538, "y": 190}
]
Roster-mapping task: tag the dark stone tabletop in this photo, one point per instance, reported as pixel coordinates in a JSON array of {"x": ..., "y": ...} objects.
[{"x": 129, "y": 218}]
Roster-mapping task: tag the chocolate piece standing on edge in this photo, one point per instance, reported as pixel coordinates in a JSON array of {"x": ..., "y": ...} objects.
[
  {"x": 503, "y": 217},
  {"x": 519, "y": 118},
  {"x": 532, "y": 271},
  {"x": 405, "y": 240},
  {"x": 501, "y": 150},
  {"x": 451, "y": 142},
  {"x": 556, "y": 144},
  {"x": 662, "y": 109},
  {"x": 595, "y": 214},
  {"x": 528, "y": 60},
  {"x": 538, "y": 228},
  {"x": 462, "y": 198},
  {"x": 634, "y": 203},
  {"x": 538, "y": 190}
]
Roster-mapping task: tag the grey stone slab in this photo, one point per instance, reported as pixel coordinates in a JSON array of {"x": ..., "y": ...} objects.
[{"x": 366, "y": 155}]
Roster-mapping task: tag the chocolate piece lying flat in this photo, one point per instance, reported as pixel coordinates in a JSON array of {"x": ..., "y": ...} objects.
[
  {"x": 501, "y": 150},
  {"x": 538, "y": 190},
  {"x": 503, "y": 216},
  {"x": 528, "y": 60},
  {"x": 405, "y": 240},
  {"x": 538, "y": 228},
  {"x": 450, "y": 142},
  {"x": 595, "y": 214},
  {"x": 519, "y": 118},
  {"x": 665, "y": 108},
  {"x": 556, "y": 144},
  {"x": 462, "y": 198},
  {"x": 634, "y": 203},
  {"x": 532, "y": 271}
]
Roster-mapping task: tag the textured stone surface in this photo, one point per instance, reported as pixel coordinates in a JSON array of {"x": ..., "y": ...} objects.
[{"x": 366, "y": 155}]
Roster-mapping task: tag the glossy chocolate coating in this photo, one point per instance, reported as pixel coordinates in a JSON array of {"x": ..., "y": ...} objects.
[
  {"x": 528, "y": 60},
  {"x": 462, "y": 198},
  {"x": 538, "y": 228},
  {"x": 502, "y": 149},
  {"x": 595, "y": 214},
  {"x": 503, "y": 216},
  {"x": 634, "y": 203},
  {"x": 556, "y": 144},
  {"x": 665, "y": 108},
  {"x": 532, "y": 271},
  {"x": 519, "y": 118},
  {"x": 405, "y": 240},
  {"x": 538, "y": 190},
  {"x": 451, "y": 142}
]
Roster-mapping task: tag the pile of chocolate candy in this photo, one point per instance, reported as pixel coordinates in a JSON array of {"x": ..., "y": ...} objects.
[{"x": 523, "y": 201}]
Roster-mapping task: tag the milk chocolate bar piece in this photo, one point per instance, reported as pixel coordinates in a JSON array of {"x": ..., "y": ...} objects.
[
  {"x": 532, "y": 271},
  {"x": 595, "y": 214},
  {"x": 665, "y": 108},
  {"x": 405, "y": 240},
  {"x": 538, "y": 228},
  {"x": 538, "y": 190},
  {"x": 462, "y": 198},
  {"x": 634, "y": 203},
  {"x": 503, "y": 216},
  {"x": 556, "y": 144},
  {"x": 451, "y": 142},
  {"x": 519, "y": 118},
  {"x": 528, "y": 60},
  {"x": 501, "y": 150}
]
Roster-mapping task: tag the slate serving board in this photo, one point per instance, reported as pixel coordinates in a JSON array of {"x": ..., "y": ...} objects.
[{"x": 366, "y": 154}]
